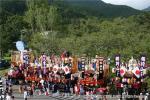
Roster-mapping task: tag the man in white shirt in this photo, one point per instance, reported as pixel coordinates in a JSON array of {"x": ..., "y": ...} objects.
[
  {"x": 8, "y": 97},
  {"x": 42, "y": 82},
  {"x": 25, "y": 94}
]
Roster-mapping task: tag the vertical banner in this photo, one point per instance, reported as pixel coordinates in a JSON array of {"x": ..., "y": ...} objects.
[
  {"x": 117, "y": 62},
  {"x": 83, "y": 66},
  {"x": 44, "y": 62},
  {"x": 26, "y": 59},
  {"x": 79, "y": 65},
  {"x": 70, "y": 63},
  {"x": 143, "y": 61},
  {"x": 36, "y": 62},
  {"x": 94, "y": 64},
  {"x": 142, "y": 65},
  {"x": 44, "y": 70},
  {"x": 21, "y": 58},
  {"x": 83, "y": 63},
  {"x": 101, "y": 65},
  {"x": 74, "y": 65}
]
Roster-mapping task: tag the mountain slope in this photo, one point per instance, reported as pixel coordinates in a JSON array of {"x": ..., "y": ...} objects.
[
  {"x": 100, "y": 8},
  {"x": 147, "y": 9},
  {"x": 13, "y": 6}
]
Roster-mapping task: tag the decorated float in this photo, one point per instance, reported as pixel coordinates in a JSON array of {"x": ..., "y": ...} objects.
[
  {"x": 130, "y": 76},
  {"x": 21, "y": 57},
  {"x": 94, "y": 74}
]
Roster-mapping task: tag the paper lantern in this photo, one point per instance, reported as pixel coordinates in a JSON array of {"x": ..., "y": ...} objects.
[
  {"x": 125, "y": 79},
  {"x": 101, "y": 68},
  {"x": 129, "y": 81},
  {"x": 132, "y": 80},
  {"x": 113, "y": 70},
  {"x": 121, "y": 85},
  {"x": 55, "y": 69},
  {"x": 144, "y": 71},
  {"x": 142, "y": 80},
  {"x": 117, "y": 78}
]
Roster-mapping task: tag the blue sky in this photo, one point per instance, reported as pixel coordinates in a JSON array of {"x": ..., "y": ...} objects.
[{"x": 137, "y": 4}]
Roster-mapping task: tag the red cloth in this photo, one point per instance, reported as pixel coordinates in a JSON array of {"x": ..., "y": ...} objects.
[
  {"x": 118, "y": 85},
  {"x": 101, "y": 90},
  {"x": 63, "y": 55},
  {"x": 136, "y": 85}
]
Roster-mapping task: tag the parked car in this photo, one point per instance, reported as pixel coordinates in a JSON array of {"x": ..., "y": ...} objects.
[{"x": 4, "y": 63}]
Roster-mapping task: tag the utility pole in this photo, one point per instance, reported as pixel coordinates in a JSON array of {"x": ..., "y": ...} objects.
[
  {"x": 22, "y": 31},
  {"x": 21, "y": 35}
]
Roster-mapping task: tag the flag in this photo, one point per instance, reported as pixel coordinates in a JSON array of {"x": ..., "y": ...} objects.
[
  {"x": 66, "y": 69},
  {"x": 122, "y": 71},
  {"x": 136, "y": 72},
  {"x": 55, "y": 68}
]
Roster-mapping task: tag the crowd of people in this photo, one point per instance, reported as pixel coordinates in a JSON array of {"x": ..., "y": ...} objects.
[
  {"x": 65, "y": 75},
  {"x": 6, "y": 91},
  {"x": 52, "y": 76}
]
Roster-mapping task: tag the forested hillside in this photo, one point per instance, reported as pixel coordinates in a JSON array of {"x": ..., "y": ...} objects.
[
  {"x": 56, "y": 26},
  {"x": 100, "y": 8}
]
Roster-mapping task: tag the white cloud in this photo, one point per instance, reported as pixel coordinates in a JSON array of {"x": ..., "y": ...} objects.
[{"x": 137, "y": 4}]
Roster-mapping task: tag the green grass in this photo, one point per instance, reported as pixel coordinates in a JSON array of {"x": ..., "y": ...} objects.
[{"x": 3, "y": 71}]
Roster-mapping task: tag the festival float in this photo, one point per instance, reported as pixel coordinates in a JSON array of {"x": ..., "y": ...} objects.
[
  {"x": 19, "y": 60},
  {"x": 130, "y": 77},
  {"x": 94, "y": 74},
  {"x": 21, "y": 56}
]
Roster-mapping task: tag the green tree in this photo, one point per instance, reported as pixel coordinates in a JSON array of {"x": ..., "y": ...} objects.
[
  {"x": 41, "y": 16},
  {"x": 11, "y": 32}
]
